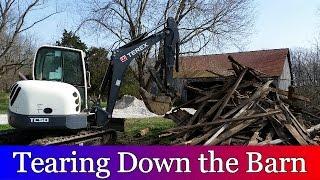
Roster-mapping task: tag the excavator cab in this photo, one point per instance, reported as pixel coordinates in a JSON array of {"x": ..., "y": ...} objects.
[{"x": 62, "y": 64}]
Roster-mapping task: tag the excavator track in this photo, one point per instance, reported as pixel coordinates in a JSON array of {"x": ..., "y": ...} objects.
[
  {"x": 83, "y": 137},
  {"x": 9, "y": 137}
]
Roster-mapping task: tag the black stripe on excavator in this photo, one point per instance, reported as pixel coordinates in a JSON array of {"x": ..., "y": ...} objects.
[
  {"x": 15, "y": 96},
  {"x": 14, "y": 87}
]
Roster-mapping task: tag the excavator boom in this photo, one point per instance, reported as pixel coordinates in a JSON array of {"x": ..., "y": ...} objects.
[{"x": 122, "y": 58}]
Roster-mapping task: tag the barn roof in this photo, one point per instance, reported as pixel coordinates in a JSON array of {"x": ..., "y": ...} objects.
[{"x": 269, "y": 62}]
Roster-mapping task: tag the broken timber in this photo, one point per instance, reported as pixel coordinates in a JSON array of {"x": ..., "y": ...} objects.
[{"x": 245, "y": 110}]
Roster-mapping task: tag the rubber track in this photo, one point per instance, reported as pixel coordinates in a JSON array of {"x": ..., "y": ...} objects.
[{"x": 84, "y": 137}]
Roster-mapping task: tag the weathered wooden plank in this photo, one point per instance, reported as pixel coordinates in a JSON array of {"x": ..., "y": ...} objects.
[
  {"x": 296, "y": 134},
  {"x": 217, "y": 74},
  {"x": 223, "y": 128},
  {"x": 223, "y": 114},
  {"x": 192, "y": 101},
  {"x": 269, "y": 136},
  {"x": 310, "y": 114},
  {"x": 292, "y": 95},
  {"x": 221, "y": 121},
  {"x": 240, "y": 66},
  {"x": 253, "y": 139},
  {"x": 276, "y": 122},
  {"x": 273, "y": 142},
  {"x": 217, "y": 132},
  {"x": 298, "y": 127},
  {"x": 197, "y": 90},
  {"x": 314, "y": 129},
  {"x": 226, "y": 125},
  {"x": 194, "y": 118},
  {"x": 198, "y": 140},
  {"x": 231, "y": 132},
  {"x": 261, "y": 91},
  {"x": 278, "y": 129},
  {"x": 179, "y": 116},
  {"x": 229, "y": 94},
  {"x": 212, "y": 110},
  {"x": 293, "y": 118}
]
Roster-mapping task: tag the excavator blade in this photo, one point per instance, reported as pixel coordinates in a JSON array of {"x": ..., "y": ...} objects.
[{"x": 157, "y": 104}]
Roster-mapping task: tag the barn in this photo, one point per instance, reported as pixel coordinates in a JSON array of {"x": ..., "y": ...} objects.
[{"x": 200, "y": 71}]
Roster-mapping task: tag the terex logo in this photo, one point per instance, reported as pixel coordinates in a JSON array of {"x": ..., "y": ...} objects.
[
  {"x": 123, "y": 58},
  {"x": 39, "y": 120},
  {"x": 138, "y": 49}
]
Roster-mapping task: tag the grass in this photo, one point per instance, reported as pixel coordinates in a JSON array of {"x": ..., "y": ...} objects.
[
  {"x": 155, "y": 125},
  {"x": 3, "y": 102},
  {"x": 5, "y": 127}
]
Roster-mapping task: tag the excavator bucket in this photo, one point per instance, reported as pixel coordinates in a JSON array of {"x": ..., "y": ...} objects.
[{"x": 157, "y": 104}]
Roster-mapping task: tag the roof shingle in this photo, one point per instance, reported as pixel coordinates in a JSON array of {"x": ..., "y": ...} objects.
[{"x": 269, "y": 62}]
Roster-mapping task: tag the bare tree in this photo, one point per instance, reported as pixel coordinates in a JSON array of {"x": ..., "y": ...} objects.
[
  {"x": 21, "y": 54},
  {"x": 203, "y": 24},
  {"x": 13, "y": 23},
  {"x": 306, "y": 66},
  {"x": 306, "y": 71}
]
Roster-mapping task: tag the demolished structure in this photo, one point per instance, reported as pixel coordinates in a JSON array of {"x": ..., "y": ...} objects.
[{"x": 245, "y": 110}]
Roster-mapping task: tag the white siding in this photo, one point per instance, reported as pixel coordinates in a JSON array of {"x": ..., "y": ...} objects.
[{"x": 284, "y": 80}]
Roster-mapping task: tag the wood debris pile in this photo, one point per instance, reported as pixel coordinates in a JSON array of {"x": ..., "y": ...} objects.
[{"x": 245, "y": 110}]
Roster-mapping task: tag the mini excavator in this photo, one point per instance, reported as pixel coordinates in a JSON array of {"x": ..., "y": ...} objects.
[{"x": 52, "y": 108}]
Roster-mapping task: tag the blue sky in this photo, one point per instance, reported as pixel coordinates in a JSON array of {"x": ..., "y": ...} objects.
[
  {"x": 279, "y": 24},
  {"x": 286, "y": 23}
]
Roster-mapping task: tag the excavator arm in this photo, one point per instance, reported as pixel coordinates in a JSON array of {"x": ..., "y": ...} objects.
[{"x": 122, "y": 57}]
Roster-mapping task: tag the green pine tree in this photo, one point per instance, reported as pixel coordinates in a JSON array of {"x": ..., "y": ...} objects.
[{"x": 69, "y": 39}]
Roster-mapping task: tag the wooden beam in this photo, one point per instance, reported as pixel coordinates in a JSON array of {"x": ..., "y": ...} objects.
[
  {"x": 296, "y": 134},
  {"x": 314, "y": 129},
  {"x": 197, "y": 90},
  {"x": 253, "y": 140},
  {"x": 292, "y": 95},
  {"x": 217, "y": 74},
  {"x": 231, "y": 132},
  {"x": 261, "y": 91},
  {"x": 229, "y": 94},
  {"x": 223, "y": 128},
  {"x": 310, "y": 114},
  {"x": 273, "y": 142},
  {"x": 221, "y": 121}
]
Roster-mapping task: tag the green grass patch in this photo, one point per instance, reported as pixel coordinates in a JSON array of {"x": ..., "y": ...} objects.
[
  {"x": 155, "y": 126},
  {"x": 4, "y": 97},
  {"x": 103, "y": 104},
  {"x": 5, "y": 127}
]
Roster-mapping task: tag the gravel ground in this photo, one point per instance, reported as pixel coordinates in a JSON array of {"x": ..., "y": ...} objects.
[{"x": 131, "y": 107}]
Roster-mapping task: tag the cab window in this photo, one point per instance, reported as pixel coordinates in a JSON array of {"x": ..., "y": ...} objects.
[{"x": 53, "y": 64}]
